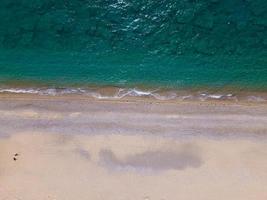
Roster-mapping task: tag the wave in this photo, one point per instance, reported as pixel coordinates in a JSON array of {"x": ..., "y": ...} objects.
[
  {"x": 40, "y": 91},
  {"x": 120, "y": 93}
]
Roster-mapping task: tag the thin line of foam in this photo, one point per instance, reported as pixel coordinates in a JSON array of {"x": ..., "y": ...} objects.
[{"x": 132, "y": 92}]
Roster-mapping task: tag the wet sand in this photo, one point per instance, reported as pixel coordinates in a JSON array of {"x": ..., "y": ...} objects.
[{"x": 77, "y": 148}]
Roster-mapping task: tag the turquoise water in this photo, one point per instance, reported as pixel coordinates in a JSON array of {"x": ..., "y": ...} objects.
[
  {"x": 157, "y": 44},
  {"x": 68, "y": 69}
]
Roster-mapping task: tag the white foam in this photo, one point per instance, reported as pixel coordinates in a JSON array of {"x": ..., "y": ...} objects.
[
  {"x": 131, "y": 92},
  {"x": 186, "y": 97},
  {"x": 205, "y": 96},
  {"x": 19, "y": 91},
  {"x": 169, "y": 96},
  {"x": 136, "y": 92},
  {"x": 214, "y": 96},
  {"x": 43, "y": 91}
]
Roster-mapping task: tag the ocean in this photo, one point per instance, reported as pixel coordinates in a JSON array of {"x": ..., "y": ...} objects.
[{"x": 161, "y": 49}]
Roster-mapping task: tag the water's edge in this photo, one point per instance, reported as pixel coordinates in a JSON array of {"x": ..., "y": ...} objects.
[{"x": 118, "y": 93}]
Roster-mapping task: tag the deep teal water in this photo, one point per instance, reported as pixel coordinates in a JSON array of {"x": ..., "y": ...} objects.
[{"x": 173, "y": 44}]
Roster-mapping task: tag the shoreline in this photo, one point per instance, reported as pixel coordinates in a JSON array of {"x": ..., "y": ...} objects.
[
  {"x": 128, "y": 100},
  {"x": 111, "y": 93}
]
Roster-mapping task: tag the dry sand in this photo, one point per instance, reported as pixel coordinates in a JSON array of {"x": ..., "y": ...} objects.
[{"x": 82, "y": 149}]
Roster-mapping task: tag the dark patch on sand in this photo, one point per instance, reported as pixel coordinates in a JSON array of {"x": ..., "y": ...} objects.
[
  {"x": 153, "y": 160},
  {"x": 4, "y": 135},
  {"x": 83, "y": 153}
]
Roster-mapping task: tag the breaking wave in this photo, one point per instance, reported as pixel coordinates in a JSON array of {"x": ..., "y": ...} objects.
[{"x": 120, "y": 93}]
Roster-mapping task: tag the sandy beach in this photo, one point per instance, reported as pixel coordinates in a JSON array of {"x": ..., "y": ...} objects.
[{"x": 71, "y": 148}]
